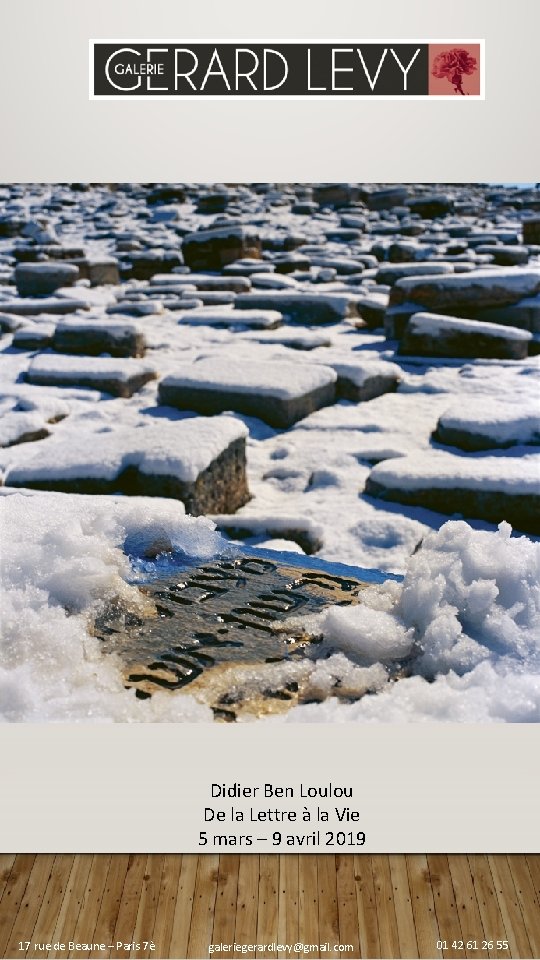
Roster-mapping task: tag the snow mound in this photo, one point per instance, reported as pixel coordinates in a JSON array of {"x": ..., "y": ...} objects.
[
  {"x": 367, "y": 634},
  {"x": 465, "y": 622},
  {"x": 471, "y": 596},
  {"x": 484, "y": 695},
  {"x": 52, "y": 667},
  {"x": 467, "y": 596}
]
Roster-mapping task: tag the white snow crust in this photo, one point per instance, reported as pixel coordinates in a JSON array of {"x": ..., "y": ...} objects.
[{"x": 271, "y": 379}]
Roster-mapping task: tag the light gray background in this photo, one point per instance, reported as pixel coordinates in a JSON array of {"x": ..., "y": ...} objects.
[
  {"x": 425, "y": 788},
  {"x": 51, "y": 131},
  {"x": 108, "y": 788}
]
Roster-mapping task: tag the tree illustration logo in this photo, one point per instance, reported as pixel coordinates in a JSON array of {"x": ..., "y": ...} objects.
[{"x": 453, "y": 65}]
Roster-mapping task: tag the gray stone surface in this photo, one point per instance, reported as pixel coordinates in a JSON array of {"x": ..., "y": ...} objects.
[
  {"x": 525, "y": 314},
  {"x": 391, "y": 273},
  {"x": 520, "y": 510},
  {"x": 214, "y": 248},
  {"x": 531, "y": 230},
  {"x": 462, "y": 295},
  {"x": 142, "y": 266},
  {"x": 505, "y": 255},
  {"x": 357, "y": 383},
  {"x": 431, "y": 205},
  {"x": 429, "y": 335},
  {"x": 387, "y": 198},
  {"x": 9, "y": 323},
  {"x": 221, "y": 488},
  {"x": 99, "y": 272},
  {"x": 41, "y": 279},
  {"x": 30, "y": 307},
  {"x": 35, "y": 337},
  {"x": 473, "y": 439},
  {"x": 93, "y": 339},
  {"x": 98, "y": 374},
  {"x": 304, "y": 308},
  {"x": 202, "y": 388},
  {"x": 372, "y": 310}
]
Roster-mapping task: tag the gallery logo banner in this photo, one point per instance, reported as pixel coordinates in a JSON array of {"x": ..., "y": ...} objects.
[{"x": 292, "y": 70}]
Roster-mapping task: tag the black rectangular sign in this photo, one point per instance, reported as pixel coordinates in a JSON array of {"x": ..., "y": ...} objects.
[{"x": 220, "y": 70}]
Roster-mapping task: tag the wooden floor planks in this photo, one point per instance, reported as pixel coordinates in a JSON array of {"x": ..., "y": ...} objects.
[{"x": 393, "y": 906}]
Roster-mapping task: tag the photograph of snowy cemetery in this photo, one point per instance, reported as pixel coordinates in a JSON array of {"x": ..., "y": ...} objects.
[{"x": 269, "y": 452}]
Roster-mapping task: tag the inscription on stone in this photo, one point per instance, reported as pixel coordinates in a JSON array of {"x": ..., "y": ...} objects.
[{"x": 219, "y": 614}]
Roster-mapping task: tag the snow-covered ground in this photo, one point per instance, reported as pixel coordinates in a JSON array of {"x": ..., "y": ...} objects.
[
  {"x": 466, "y": 622},
  {"x": 463, "y": 624}
]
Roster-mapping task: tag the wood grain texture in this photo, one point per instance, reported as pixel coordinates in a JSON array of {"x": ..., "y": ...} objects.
[{"x": 392, "y": 906}]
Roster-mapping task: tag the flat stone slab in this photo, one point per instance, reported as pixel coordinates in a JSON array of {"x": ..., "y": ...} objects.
[
  {"x": 306, "y": 308},
  {"x": 364, "y": 380},
  {"x": 396, "y": 319},
  {"x": 136, "y": 308},
  {"x": 432, "y": 205},
  {"x": 215, "y": 630},
  {"x": 213, "y": 203},
  {"x": 247, "y": 266},
  {"x": 386, "y": 198},
  {"x": 34, "y": 336},
  {"x": 200, "y": 461},
  {"x": 273, "y": 281},
  {"x": 390, "y": 273},
  {"x": 335, "y": 194},
  {"x": 210, "y": 298},
  {"x": 280, "y": 393},
  {"x": 291, "y": 262},
  {"x": 300, "y": 530},
  {"x": 498, "y": 424},
  {"x": 11, "y": 225},
  {"x": 144, "y": 265},
  {"x": 505, "y": 255},
  {"x": 102, "y": 336},
  {"x": 39, "y": 230},
  {"x": 30, "y": 307},
  {"x": 531, "y": 230},
  {"x": 9, "y": 323},
  {"x": 21, "y": 427},
  {"x": 166, "y": 193},
  {"x": 38, "y": 279},
  {"x": 461, "y": 294},
  {"x": 255, "y": 319},
  {"x": 201, "y": 281},
  {"x": 524, "y": 314},
  {"x": 122, "y": 378},
  {"x": 372, "y": 309},
  {"x": 215, "y": 248},
  {"x": 295, "y": 340},
  {"x": 489, "y": 488},
  {"x": 102, "y": 272},
  {"x": 32, "y": 252},
  {"x": 434, "y": 335},
  {"x": 342, "y": 265}
]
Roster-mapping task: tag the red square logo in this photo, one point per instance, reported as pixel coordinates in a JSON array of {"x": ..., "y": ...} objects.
[{"x": 454, "y": 70}]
